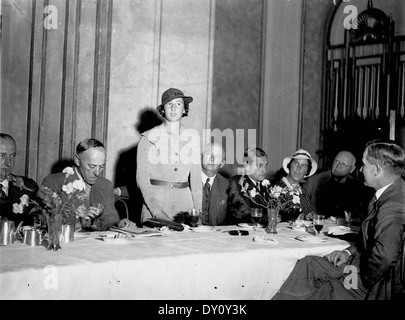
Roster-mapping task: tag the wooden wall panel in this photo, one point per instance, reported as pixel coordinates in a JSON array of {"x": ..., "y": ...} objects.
[
  {"x": 85, "y": 76},
  {"x": 35, "y": 88},
  {"x": 69, "y": 85},
  {"x": 51, "y": 91},
  {"x": 16, "y": 19}
]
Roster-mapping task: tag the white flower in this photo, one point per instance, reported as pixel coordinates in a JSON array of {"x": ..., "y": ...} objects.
[
  {"x": 252, "y": 193},
  {"x": 25, "y": 200},
  {"x": 69, "y": 171},
  {"x": 276, "y": 191},
  {"x": 18, "y": 208},
  {"x": 79, "y": 185},
  {"x": 265, "y": 182},
  {"x": 68, "y": 188},
  {"x": 296, "y": 199}
]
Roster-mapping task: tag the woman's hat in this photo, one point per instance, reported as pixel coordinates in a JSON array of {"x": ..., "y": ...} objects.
[
  {"x": 171, "y": 94},
  {"x": 304, "y": 155}
]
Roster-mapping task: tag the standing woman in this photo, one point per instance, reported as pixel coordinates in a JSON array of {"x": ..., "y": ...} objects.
[{"x": 168, "y": 162}]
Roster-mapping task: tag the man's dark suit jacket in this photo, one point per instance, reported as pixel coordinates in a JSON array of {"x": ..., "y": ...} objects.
[
  {"x": 14, "y": 195},
  {"x": 382, "y": 233},
  {"x": 101, "y": 192},
  {"x": 330, "y": 198},
  {"x": 239, "y": 206},
  {"x": 217, "y": 213}
]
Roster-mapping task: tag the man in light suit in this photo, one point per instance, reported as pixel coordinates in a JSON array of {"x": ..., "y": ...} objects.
[
  {"x": 215, "y": 186},
  {"x": 13, "y": 187},
  {"x": 378, "y": 250},
  {"x": 89, "y": 166}
]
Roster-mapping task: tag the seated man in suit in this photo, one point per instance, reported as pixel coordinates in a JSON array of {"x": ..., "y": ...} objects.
[
  {"x": 364, "y": 269},
  {"x": 254, "y": 166},
  {"x": 14, "y": 187},
  {"x": 215, "y": 186},
  {"x": 89, "y": 166},
  {"x": 334, "y": 192}
]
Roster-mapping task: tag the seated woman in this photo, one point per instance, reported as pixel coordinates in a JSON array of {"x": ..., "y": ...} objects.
[
  {"x": 169, "y": 163},
  {"x": 298, "y": 167}
]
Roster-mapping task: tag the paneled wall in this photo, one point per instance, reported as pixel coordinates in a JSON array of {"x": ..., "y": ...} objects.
[
  {"x": 104, "y": 65},
  {"x": 73, "y": 69},
  {"x": 56, "y": 53}
]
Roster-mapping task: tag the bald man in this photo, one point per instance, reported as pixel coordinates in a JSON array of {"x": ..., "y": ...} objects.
[
  {"x": 215, "y": 186},
  {"x": 13, "y": 187},
  {"x": 335, "y": 191}
]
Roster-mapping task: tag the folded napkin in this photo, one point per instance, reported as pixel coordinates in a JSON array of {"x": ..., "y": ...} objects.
[
  {"x": 311, "y": 239},
  {"x": 339, "y": 230},
  {"x": 265, "y": 239}
]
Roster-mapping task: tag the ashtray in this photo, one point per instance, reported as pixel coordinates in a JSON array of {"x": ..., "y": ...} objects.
[{"x": 238, "y": 232}]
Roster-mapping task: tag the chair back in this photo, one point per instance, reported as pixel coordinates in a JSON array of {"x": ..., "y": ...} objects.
[{"x": 121, "y": 207}]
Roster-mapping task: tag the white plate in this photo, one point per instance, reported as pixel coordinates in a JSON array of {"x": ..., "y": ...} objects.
[
  {"x": 116, "y": 241},
  {"x": 79, "y": 235},
  {"x": 249, "y": 226},
  {"x": 301, "y": 229},
  {"x": 202, "y": 229},
  {"x": 312, "y": 239}
]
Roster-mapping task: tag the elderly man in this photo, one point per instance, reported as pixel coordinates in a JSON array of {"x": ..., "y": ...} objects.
[
  {"x": 298, "y": 167},
  {"x": 336, "y": 193},
  {"x": 13, "y": 187},
  {"x": 255, "y": 163},
  {"x": 215, "y": 186},
  {"x": 89, "y": 166},
  {"x": 371, "y": 260}
]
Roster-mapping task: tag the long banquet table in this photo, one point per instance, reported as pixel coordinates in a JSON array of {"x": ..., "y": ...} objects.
[{"x": 185, "y": 265}]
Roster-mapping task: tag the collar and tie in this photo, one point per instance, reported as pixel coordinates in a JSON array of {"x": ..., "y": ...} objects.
[
  {"x": 3, "y": 189},
  {"x": 206, "y": 197}
]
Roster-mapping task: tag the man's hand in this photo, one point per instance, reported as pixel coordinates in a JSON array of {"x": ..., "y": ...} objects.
[
  {"x": 126, "y": 223},
  {"x": 93, "y": 212},
  {"x": 338, "y": 258}
]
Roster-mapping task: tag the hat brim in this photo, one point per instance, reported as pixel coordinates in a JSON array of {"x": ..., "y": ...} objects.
[
  {"x": 287, "y": 160},
  {"x": 185, "y": 98}
]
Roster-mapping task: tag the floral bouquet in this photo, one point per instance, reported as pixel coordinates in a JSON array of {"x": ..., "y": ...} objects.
[
  {"x": 272, "y": 198},
  {"x": 58, "y": 209}
]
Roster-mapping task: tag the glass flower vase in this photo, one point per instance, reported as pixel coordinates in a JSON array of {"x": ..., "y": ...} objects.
[
  {"x": 54, "y": 223},
  {"x": 272, "y": 215}
]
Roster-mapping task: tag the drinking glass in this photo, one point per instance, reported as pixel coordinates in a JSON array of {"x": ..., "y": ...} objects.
[
  {"x": 295, "y": 212},
  {"x": 194, "y": 215},
  {"x": 256, "y": 215},
  {"x": 318, "y": 222}
]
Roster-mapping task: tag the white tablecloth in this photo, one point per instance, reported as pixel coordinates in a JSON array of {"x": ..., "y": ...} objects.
[{"x": 181, "y": 265}]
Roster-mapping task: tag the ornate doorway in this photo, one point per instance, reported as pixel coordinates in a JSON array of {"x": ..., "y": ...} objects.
[{"x": 364, "y": 87}]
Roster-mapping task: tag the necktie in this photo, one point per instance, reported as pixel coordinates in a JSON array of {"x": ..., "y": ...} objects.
[
  {"x": 2, "y": 193},
  {"x": 206, "y": 196}
]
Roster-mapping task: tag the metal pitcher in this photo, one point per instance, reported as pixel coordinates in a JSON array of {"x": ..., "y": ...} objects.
[
  {"x": 33, "y": 237},
  {"x": 7, "y": 232},
  {"x": 67, "y": 234}
]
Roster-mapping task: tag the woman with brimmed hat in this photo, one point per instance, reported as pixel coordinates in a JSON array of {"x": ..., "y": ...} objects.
[
  {"x": 169, "y": 163},
  {"x": 298, "y": 167}
]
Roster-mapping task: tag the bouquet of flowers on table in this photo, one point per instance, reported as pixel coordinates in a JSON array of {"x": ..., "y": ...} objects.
[
  {"x": 272, "y": 198},
  {"x": 58, "y": 209}
]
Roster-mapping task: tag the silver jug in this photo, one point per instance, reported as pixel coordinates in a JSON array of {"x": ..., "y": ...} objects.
[
  {"x": 33, "y": 237},
  {"x": 67, "y": 234},
  {"x": 7, "y": 232}
]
